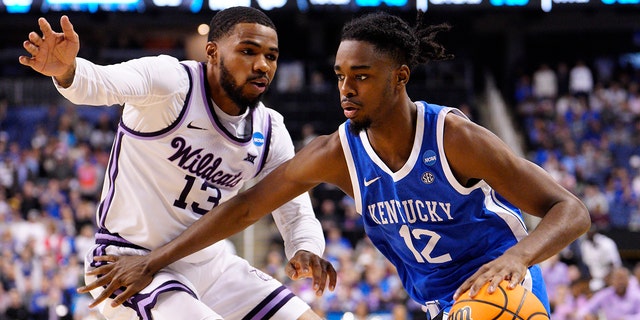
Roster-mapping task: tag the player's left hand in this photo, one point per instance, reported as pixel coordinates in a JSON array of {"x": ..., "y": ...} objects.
[
  {"x": 121, "y": 272},
  {"x": 508, "y": 267},
  {"x": 305, "y": 264}
]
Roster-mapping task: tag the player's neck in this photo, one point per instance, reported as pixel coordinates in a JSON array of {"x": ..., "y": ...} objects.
[{"x": 393, "y": 139}]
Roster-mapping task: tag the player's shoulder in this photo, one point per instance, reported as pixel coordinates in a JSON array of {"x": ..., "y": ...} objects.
[
  {"x": 158, "y": 60},
  {"x": 163, "y": 65}
]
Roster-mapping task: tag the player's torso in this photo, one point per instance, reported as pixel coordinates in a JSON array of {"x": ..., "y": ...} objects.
[
  {"x": 159, "y": 183},
  {"x": 427, "y": 226}
]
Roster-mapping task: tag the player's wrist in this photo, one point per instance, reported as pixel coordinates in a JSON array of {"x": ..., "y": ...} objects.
[{"x": 65, "y": 80}]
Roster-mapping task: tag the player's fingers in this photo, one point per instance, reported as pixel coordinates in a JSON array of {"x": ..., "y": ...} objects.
[
  {"x": 291, "y": 271},
  {"x": 333, "y": 276},
  {"x": 106, "y": 258},
  {"x": 67, "y": 27},
  {"x": 298, "y": 270},
  {"x": 122, "y": 297},
  {"x": 99, "y": 282},
  {"x": 106, "y": 293},
  {"x": 319, "y": 276},
  {"x": 494, "y": 282},
  {"x": 100, "y": 270},
  {"x": 514, "y": 279},
  {"x": 305, "y": 267},
  {"x": 322, "y": 283},
  {"x": 302, "y": 265},
  {"x": 35, "y": 38},
  {"x": 24, "y": 60},
  {"x": 45, "y": 27},
  {"x": 30, "y": 47}
]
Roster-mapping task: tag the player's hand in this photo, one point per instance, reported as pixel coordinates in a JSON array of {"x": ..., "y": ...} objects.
[
  {"x": 52, "y": 53},
  {"x": 305, "y": 264},
  {"x": 508, "y": 267},
  {"x": 128, "y": 273}
]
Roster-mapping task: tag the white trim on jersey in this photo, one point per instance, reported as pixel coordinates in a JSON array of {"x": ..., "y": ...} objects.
[
  {"x": 353, "y": 173},
  {"x": 443, "y": 157}
]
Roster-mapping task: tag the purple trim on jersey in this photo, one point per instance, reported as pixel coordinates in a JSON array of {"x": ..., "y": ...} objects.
[
  {"x": 270, "y": 305},
  {"x": 113, "y": 173},
  {"x": 143, "y": 303},
  {"x": 98, "y": 251},
  {"x": 168, "y": 130},
  {"x": 267, "y": 145},
  {"x": 103, "y": 236}
]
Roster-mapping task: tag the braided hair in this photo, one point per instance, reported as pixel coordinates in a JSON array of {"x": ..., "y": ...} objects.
[
  {"x": 224, "y": 21},
  {"x": 393, "y": 36}
]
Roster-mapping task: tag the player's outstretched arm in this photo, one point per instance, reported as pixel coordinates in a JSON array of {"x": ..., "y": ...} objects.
[
  {"x": 320, "y": 161},
  {"x": 53, "y": 53}
]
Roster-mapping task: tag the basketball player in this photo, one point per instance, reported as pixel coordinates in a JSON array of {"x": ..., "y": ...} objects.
[
  {"x": 441, "y": 197},
  {"x": 191, "y": 133}
]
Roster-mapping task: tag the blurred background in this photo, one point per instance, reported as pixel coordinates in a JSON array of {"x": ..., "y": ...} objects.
[{"x": 558, "y": 80}]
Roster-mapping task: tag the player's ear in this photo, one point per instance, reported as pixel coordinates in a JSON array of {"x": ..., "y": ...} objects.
[
  {"x": 212, "y": 52},
  {"x": 402, "y": 75}
]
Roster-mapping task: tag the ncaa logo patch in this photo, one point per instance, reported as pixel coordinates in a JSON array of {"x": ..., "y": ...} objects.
[
  {"x": 429, "y": 158},
  {"x": 258, "y": 139},
  {"x": 427, "y": 178}
]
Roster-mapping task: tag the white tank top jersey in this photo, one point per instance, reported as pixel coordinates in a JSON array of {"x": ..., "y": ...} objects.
[{"x": 162, "y": 178}]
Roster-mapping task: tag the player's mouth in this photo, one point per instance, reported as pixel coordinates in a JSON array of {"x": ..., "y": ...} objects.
[
  {"x": 259, "y": 85},
  {"x": 349, "y": 108}
]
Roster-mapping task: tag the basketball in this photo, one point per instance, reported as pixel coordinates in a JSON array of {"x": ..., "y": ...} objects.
[{"x": 512, "y": 304}]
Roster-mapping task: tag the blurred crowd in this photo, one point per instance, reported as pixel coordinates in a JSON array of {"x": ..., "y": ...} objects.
[{"x": 582, "y": 125}]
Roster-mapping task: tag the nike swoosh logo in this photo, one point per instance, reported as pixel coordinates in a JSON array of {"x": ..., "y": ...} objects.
[
  {"x": 191, "y": 126},
  {"x": 367, "y": 183}
]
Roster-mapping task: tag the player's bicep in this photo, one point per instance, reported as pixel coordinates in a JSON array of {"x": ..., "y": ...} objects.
[{"x": 475, "y": 153}]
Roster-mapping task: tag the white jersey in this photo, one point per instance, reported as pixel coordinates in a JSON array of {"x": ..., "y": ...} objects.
[{"x": 176, "y": 155}]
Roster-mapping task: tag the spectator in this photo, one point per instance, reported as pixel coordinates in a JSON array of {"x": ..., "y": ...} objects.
[
  {"x": 545, "y": 83},
  {"x": 556, "y": 275},
  {"x": 580, "y": 79},
  {"x": 600, "y": 254},
  {"x": 616, "y": 301},
  {"x": 524, "y": 89},
  {"x": 570, "y": 299},
  {"x": 596, "y": 202}
]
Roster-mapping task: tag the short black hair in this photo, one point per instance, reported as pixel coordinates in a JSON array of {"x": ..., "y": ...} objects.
[
  {"x": 393, "y": 36},
  {"x": 224, "y": 21}
]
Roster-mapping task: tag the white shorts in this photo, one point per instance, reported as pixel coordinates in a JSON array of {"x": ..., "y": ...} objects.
[{"x": 225, "y": 287}]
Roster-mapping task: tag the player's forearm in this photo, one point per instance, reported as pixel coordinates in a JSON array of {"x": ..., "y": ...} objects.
[
  {"x": 220, "y": 223},
  {"x": 563, "y": 224}
]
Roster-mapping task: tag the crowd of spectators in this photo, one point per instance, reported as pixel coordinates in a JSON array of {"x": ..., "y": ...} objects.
[{"x": 583, "y": 130}]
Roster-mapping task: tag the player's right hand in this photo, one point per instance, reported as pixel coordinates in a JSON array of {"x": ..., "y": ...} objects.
[
  {"x": 128, "y": 273},
  {"x": 52, "y": 53},
  {"x": 305, "y": 264}
]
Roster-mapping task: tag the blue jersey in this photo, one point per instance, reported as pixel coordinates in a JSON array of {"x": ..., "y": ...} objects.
[{"x": 435, "y": 231}]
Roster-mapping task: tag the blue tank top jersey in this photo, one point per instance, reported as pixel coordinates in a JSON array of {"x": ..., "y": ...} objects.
[{"x": 435, "y": 231}]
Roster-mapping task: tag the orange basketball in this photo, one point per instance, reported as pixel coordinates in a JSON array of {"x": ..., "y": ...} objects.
[{"x": 503, "y": 304}]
